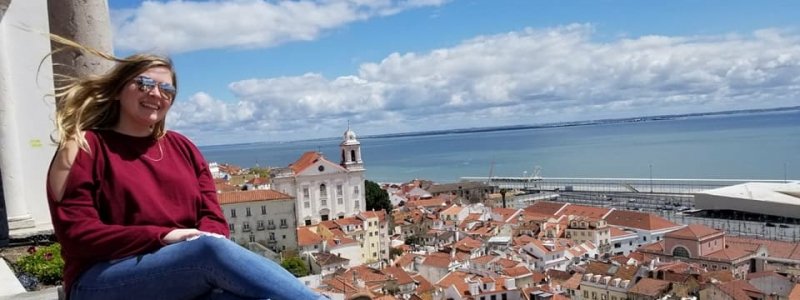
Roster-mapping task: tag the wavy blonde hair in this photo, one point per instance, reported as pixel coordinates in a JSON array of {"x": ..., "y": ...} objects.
[{"x": 92, "y": 102}]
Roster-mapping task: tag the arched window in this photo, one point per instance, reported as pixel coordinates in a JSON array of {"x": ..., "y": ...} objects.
[
  {"x": 323, "y": 190},
  {"x": 680, "y": 252},
  {"x": 353, "y": 155}
]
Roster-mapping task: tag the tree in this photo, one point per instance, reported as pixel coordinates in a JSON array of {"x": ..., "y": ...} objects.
[
  {"x": 377, "y": 198},
  {"x": 395, "y": 252},
  {"x": 295, "y": 265}
]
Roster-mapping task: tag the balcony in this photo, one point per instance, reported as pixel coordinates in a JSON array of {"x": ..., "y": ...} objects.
[
  {"x": 260, "y": 228},
  {"x": 284, "y": 226},
  {"x": 271, "y": 226},
  {"x": 271, "y": 242}
]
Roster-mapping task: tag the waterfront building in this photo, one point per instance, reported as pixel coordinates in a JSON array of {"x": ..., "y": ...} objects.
[
  {"x": 756, "y": 199},
  {"x": 325, "y": 190},
  {"x": 266, "y": 217}
]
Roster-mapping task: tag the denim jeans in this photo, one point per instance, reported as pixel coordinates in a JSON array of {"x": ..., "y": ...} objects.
[{"x": 204, "y": 268}]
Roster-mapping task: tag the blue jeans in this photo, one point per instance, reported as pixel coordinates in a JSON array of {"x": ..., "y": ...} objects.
[{"x": 204, "y": 268}]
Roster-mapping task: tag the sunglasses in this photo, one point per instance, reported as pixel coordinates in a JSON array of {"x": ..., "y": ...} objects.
[{"x": 147, "y": 84}]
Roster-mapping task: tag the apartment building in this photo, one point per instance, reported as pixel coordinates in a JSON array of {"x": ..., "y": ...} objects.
[{"x": 266, "y": 217}]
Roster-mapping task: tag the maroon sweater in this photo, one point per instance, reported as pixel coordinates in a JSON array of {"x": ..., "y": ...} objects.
[{"x": 125, "y": 195}]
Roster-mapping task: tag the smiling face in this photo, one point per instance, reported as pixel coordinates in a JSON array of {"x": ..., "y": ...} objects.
[{"x": 141, "y": 107}]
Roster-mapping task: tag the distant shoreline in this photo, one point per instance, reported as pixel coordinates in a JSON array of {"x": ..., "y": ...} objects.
[
  {"x": 574, "y": 123},
  {"x": 537, "y": 126}
]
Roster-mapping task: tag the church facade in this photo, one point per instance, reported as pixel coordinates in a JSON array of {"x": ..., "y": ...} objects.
[{"x": 324, "y": 190}]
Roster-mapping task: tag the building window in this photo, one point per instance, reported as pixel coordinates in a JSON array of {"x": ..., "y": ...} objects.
[
  {"x": 271, "y": 236},
  {"x": 340, "y": 201},
  {"x": 308, "y": 222},
  {"x": 247, "y": 211},
  {"x": 680, "y": 252},
  {"x": 357, "y": 204},
  {"x": 307, "y": 204},
  {"x": 231, "y": 227},
  {"x": 283, "y": 223},
  {"x": 233, "y": 213},
  {"x": 263, "y": 209},
  {"x": 259, "y": 225},
  {"x": 252, "y": 238},
  {"x": 323, "y": 190},
  {"x": 305, "y": 193},
  {"x": 355, "y": 191},
  {"x": 339, "y": 190},
  {"x": 246, "y": 226}
]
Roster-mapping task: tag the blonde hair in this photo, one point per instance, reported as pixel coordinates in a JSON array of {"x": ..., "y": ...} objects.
[{"x": 92, "y": 102}]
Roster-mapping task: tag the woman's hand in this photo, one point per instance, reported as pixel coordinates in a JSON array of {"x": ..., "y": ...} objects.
[{"x": 179, "y": 235}]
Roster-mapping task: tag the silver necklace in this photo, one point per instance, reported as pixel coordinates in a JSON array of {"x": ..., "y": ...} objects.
[{"x": 160, "y": 150}]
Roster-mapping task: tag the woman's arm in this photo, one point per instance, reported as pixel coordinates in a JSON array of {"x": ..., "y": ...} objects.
[
  {"x": 78, "y": 227},
  {"x": 211, "y": 218}
]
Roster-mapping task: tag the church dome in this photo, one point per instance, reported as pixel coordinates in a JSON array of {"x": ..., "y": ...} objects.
[{"x": 350, "y": 137}]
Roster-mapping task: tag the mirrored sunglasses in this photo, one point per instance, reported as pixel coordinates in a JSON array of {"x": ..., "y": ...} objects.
[{"x": 146, "y": 84}]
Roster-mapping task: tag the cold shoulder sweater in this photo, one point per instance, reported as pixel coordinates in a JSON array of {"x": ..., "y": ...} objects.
[{"x": 124, "y": 195}]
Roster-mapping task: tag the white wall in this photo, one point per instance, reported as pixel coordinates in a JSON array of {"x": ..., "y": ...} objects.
[{"x": 26, "y": 115}]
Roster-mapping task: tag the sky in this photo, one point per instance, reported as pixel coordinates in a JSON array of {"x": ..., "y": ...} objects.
[{"x": 266, "y": 71}]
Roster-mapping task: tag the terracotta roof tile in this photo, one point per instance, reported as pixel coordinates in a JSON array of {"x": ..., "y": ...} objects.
[
  {"x": 518, "y": 271},
  {"x": 306, "y": 237},
  {"x": 399, "y": 274},
  {"x": 424, "y": 285},
  {"x": 584, "y": 211},
  {"x": 616, "y": 232},
  {"x": 776, "y": 249},
  {"x": 545, "y": 207},
  {"x": 638, "y": 220},
  {"x": 436, "y": 261},
  {"x": 251, "y": 196},
  {"x": 404, "y": 260},
  {"x": 650, "y": 287},
  {"x": 693, "y": 232},
  {"x": 737, "y": 289},
  {"x": 305, "y": 160},
  {"x": 573, "y": 282}
]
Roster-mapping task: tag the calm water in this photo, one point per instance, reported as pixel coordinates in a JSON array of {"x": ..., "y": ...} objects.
[{"x": 742, "y": 146}]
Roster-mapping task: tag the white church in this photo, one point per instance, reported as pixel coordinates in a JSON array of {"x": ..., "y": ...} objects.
[{"x": 325, "y": 190}]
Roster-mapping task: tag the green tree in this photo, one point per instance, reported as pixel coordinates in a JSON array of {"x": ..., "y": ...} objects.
[
  {"x": 295, "y": 265},
  {"x": 261, "y": 172},
  {"x": 377, "y": 198}
]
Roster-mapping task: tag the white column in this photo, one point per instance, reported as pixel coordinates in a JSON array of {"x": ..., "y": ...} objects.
[
  {"x": 26, "y": 114},
  {"x": 10, "y": 164}
]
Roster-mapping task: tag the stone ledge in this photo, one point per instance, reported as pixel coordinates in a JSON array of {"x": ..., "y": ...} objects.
[{"x": 9, "y": 285}]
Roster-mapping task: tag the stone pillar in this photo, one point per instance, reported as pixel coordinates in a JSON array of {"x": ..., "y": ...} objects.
[
  {"x": 25, "y": 115},
  {"x": 87, "y": 23}
]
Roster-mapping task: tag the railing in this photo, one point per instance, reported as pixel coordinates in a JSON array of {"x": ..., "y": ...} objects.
[{"x": 271, "y": 226}]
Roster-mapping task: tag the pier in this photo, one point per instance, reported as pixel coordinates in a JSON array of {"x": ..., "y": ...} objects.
[
  {"x": 672, "y": 199},
  {"x": 612, "y": 185}
]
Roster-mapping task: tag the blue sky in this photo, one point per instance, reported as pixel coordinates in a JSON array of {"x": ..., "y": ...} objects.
[{"x": 254, "y": 70}]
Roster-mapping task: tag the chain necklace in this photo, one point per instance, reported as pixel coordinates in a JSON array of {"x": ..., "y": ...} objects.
[{"x": 160, "y": 150}]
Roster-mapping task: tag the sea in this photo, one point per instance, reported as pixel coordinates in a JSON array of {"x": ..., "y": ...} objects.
[{"x": 752, "y": 145}]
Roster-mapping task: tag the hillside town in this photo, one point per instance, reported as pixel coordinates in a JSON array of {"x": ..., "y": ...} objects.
[{"x": 461, "y": 241}]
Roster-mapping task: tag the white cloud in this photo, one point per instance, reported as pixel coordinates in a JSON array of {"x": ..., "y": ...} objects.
[
  {"x": 524, "y": 77},
  {"x": 182, "y": 26}
]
